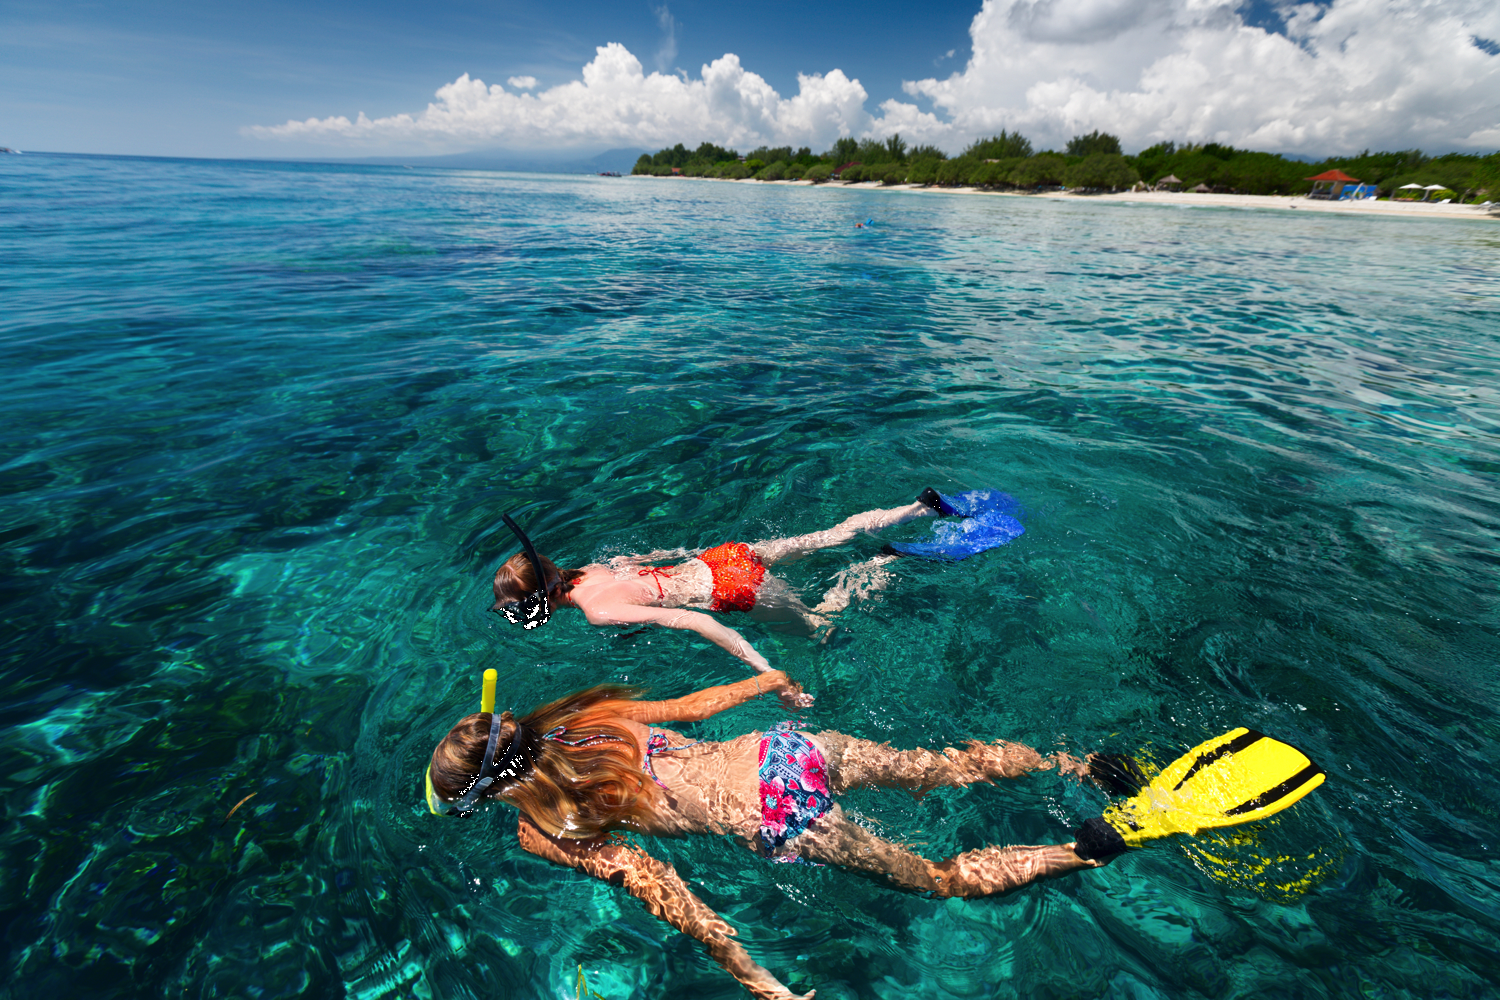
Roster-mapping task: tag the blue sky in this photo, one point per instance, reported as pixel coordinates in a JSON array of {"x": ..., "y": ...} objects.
[
  {"x": 179, "y": 78},
  {"x": 275, "y": 78}
]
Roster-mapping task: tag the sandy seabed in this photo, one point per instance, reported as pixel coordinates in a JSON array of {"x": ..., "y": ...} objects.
[{"x": 1403, "y": 209}]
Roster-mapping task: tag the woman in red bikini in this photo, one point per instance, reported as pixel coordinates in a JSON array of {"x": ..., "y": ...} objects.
[{"x": 729, "y": 577}]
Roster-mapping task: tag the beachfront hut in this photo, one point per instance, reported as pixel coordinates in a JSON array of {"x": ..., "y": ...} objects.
[
  {"x": 1202, "y": 189},
  {"x": 1329, "y": 183},
  {"x": 1171, "y": 182}
]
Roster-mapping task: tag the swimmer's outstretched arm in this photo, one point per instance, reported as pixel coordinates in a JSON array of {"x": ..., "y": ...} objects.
[
  {"x": 664, "y": 894},
  {"x": 705, "y": 625},
  {"x": 711, "y": 701}
]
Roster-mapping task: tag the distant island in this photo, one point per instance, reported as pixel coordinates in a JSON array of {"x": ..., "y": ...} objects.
[{"x": 1092, "y": 162}]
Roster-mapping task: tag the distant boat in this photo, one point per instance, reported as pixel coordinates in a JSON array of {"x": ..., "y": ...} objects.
[
  {"x": 7, "y": 149},
  {"x": 609, "y": 173}
]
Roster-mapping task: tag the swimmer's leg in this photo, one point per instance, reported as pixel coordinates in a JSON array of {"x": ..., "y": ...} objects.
[
  {"x": 833, "y": 839},
  {"x": 777, "y": 604},
  {"x": 860, "y": 580},
  {"x": 777, "y": 550},
  {"x": 856, "y": 763}
]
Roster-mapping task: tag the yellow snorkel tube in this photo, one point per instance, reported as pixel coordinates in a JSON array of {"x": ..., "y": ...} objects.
[{"x": 486, "y": 704}]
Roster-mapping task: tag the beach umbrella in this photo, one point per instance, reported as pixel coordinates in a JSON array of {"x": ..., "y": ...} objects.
[
  {"x": 1411, "y": 187},
  {"x": 1436, "y": 187}
]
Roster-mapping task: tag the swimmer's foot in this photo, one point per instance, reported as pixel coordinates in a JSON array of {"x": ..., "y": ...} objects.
[
  {"x": 836, "y": 637},
  {"x": 1117, "y": 773},
  {"x": 1066, "y": 763},
  {"x": 932, "y": 498},
  {"x": 1098, "y": 841}
]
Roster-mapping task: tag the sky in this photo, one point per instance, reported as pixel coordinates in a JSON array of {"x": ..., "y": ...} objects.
[{"x": 335, "y": 78}]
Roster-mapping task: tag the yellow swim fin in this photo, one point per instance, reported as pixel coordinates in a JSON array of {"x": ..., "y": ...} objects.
[{"x": 1236, "y": 778}]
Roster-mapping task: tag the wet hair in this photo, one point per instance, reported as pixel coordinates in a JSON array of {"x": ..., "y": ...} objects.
[
  {"x": 568, "y": 791},
  {"x": 515, "y": 580}
]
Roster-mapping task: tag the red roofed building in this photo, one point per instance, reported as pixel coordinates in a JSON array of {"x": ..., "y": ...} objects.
[{"x": 1329, "y": 183}]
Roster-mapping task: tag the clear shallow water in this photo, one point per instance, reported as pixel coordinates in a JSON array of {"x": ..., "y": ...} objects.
[{"x": 260, "y": 422}]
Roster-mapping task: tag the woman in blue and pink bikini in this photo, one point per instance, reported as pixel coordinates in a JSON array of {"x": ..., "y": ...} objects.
[
  {"x": 733, "y": 576},
  {"x": 586, "y": 768}
]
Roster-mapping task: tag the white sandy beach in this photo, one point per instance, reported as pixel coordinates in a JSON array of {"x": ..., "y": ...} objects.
[{"x": 1380, "y": 209}]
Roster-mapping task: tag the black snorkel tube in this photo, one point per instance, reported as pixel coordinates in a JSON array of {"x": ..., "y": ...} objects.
[{"x": 535, "y": 609}]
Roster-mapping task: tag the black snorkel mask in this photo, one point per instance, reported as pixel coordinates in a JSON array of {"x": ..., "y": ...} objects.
[{"x": 535, "y": 609}]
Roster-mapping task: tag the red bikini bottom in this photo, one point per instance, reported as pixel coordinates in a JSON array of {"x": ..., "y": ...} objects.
[{"x": 737, "y": 572}]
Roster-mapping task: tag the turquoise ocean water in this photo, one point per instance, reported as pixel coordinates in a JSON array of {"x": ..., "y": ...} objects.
[{"x": 260, "y": 422}]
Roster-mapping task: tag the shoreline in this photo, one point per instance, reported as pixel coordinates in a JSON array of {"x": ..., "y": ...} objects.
[{"x": 1382, "y": 209}]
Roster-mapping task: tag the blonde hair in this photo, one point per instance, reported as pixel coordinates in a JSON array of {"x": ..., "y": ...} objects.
[{"x": 577, "y": 792}]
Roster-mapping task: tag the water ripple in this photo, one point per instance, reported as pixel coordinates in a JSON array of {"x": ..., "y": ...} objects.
[{"x": 265, "y": 418}]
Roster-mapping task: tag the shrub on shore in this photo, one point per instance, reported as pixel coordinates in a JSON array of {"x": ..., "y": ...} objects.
[
  {"x": 1101, "y": 171},
  {"x": 818, "y": 173},
  {"x": 994, "y": 173},
  {"x": 774, "y": 172},
  {"x": 1042, "y": 170},
  {"x": 923, "y": 172},
  {"x": 954, "y": 173}
]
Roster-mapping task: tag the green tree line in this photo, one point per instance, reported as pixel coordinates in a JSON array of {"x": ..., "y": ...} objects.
[{"x": 1092, "y": 162}]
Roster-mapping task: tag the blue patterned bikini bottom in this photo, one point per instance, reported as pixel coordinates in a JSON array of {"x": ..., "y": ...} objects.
[{"x": 793, "y": 789}]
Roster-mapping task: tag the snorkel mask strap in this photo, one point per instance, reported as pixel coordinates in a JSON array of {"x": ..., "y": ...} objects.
[
  {"x": 534, "y": 610},
  {"x": 510, "y": 765}
]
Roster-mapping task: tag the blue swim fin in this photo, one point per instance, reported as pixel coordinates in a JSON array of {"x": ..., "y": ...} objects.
[
  {"x": 976, "y": 503},
  {"x": 987, "y": 523}
]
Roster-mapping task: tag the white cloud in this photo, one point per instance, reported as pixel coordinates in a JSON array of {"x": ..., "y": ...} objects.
[
  {"x": 1378, "y": 73},
  {"x": 668, "y": 50},
  {"x": 615, "y": 103}
]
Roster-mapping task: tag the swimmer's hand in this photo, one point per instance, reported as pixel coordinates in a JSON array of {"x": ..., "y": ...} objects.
[{"x": 788, "y": 690}]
